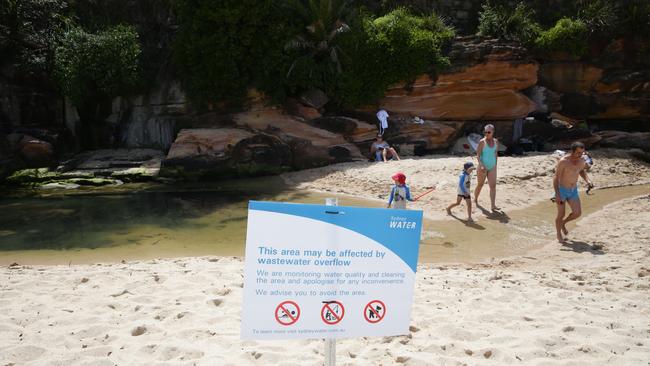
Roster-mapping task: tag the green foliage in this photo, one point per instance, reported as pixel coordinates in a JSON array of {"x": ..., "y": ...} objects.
[
  {"x": 152, "y": 19},
  {"x": 323, "y": 22},
  {"x": 500, "y": 21},
  {"x": 28, "y": 31},
  {"x": 94, "y": 66},
  {"x": 396, "y": 47},
  {"x": 599, "y": 16},
  {"x": 568, "y": 35},
  {"x": 223, "y": 48},
  {"x": 635, "y": 17}
]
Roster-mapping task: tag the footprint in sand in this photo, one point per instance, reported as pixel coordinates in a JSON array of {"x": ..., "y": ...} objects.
[
  {"x": 138, "y": 331},
  {"x": 216, "y": 302}
]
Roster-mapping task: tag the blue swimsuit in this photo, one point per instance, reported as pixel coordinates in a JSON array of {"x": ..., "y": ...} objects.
[
  {"x": 488, "y": 156},
  {"x": 568, "y": 194}
]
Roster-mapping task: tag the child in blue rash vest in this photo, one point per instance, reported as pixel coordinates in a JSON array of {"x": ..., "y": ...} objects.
[
  {"x": 400, "y": 192},
  {"x": 464, "y": 183}
]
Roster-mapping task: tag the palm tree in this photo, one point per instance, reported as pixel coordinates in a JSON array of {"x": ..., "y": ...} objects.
[{"x": 323, "y": 22}]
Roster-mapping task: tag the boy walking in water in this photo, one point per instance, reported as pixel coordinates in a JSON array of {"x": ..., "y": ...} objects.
[
  {"x": 464, "y": 184},
  {"x": 565, "y": 183},
  {"x": 400, "y": 192}
]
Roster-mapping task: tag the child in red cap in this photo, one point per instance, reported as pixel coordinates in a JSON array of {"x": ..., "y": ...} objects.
[{"x": 400, "y": 192}]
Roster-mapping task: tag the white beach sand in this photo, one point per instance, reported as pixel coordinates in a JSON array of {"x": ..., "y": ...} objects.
[
  {"x": 581, "y": 304},
  {"x": 522, "y": 181}
]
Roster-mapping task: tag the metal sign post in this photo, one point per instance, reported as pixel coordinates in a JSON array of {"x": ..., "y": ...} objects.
[{"x": 330, "y": 343}]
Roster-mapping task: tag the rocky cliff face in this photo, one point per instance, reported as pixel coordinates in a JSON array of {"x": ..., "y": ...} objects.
[
  {"x": 490, "y": 80},
  {"x": 495, "y": 80},
  {"x": 486, "y": 83},
  {"x": 598, "y": 92}
]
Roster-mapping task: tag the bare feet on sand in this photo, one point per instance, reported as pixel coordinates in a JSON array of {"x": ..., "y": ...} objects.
[
  {"x": 560, "y": 239},
  {"x": 448, "y": 211},
  {"x": 564, "y": 230}
]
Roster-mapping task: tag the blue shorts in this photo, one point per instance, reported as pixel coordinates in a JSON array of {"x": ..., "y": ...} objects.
[{"x": 568, "y": 194}]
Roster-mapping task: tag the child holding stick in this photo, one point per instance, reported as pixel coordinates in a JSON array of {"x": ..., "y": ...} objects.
[{"x": 400, "y": 193}]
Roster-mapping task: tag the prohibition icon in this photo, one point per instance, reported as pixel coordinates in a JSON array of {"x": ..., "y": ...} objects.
[
  {"x": 287, "y": 313},
  {"x": 374, "y": 312},
  {"x": 332, "y": 312}
]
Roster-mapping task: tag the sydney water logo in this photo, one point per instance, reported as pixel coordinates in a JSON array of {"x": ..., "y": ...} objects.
[{"x": 397, "y": 222}]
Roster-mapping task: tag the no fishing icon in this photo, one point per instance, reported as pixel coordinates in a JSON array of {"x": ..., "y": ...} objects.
[{"x": 332, "y": 312}]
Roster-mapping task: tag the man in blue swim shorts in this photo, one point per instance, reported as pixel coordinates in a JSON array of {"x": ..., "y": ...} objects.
[{"x": 565, "y": 183}]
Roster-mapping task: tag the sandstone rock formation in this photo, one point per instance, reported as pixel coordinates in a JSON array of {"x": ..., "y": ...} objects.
[
  {"x": 594, "y": 92},
  {"x": 352, "y": 129},
  {"x": 260, "y": 141},
  {"x": 210, "y": 152},
  {"x": 149, "y": 121},
  {"x": 625, "y": 140},
  {"x": 35, "y": 152},
  {"x": 486, "y": 83},
  {"x": 426, "y": 137}
]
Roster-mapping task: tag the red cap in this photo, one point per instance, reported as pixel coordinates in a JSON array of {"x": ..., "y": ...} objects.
[{"x": 400, "y": 177}]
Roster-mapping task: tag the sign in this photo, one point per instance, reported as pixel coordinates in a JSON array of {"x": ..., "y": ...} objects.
[
  {"x": 332, "y": 312},
  {"x": 287, "y": 313},
  {"x": 374, "y": 311},
  {"x": 315, "y": 271}
]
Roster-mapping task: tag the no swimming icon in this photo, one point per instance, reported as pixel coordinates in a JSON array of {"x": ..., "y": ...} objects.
[{"x": 287, "y": 313}]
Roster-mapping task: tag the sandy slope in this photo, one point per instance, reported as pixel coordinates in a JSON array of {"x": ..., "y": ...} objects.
[
  {"x": 572, "y": 305},
  {"x": 522, "y": 181}
]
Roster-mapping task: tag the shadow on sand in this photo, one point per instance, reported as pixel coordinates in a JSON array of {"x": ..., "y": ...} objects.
[
  {"x": 471, "y": 224},
  {"x": 498, "y": 215},
  {"x": 582, "y": 247}
]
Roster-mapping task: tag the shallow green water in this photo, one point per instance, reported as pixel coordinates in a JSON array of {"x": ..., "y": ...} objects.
[
  {"x": 161, "y": 222},
  {"x": 211, "y": 220}
]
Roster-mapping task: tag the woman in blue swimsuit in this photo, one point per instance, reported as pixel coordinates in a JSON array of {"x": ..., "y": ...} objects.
[{"x": 487, "y": 165}]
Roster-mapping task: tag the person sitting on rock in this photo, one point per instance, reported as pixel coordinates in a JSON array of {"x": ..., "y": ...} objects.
[{"x": 382, "y": 151}]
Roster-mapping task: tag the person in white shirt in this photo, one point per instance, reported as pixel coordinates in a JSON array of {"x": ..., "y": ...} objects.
[{"x": 382, "y": 116}]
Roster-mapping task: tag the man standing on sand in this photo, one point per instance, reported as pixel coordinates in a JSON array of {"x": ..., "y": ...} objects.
[{"x": 565, "y": 183}]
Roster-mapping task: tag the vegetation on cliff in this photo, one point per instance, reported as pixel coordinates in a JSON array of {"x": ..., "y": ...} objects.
[
  {"x": 351, "y": 54},
  {"x": 224, "y": 48},
  {"x": 29, "y": 31},
  {"x": 570, "y": 27},
  {"x": 94, "y": 68},
  {"x": 568, "y": 35},
  {"x": 98, "y": 65},
  {"x": 501, "y": 21}
]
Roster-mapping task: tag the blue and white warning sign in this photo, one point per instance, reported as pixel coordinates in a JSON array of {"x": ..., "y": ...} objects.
[{"x": 314, "y": 271}]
